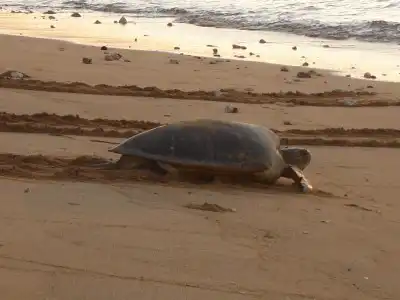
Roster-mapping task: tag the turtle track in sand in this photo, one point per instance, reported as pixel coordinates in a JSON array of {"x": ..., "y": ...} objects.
[
  {"x": 331, "y": 98},
  {"x": 74, "y": 125},
  {"x": 41, "y": 167}
]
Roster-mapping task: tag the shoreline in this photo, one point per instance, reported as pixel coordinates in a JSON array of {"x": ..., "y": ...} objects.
[{"x": 351, "y": 57}]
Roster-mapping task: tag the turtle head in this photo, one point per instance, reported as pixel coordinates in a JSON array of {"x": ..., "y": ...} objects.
[{"x": 298, "y": 157}]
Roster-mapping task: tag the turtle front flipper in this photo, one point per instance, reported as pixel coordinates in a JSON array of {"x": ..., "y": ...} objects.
[{"x": 298, "y": 177}]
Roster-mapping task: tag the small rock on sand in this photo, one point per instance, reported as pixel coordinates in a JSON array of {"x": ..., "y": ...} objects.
[
  {"x": 49, "y": 12},
  {"x": 287, "y": 123},
  {"x": 97, "y": 22},
  {"x": 294, "y": 48},
  {"x": 103, "y": 48},
  {"x": 231, "y": 109},
  {"x": 305, "y": 64},
  {"x": 169, "y": 24},
  {"x": 284, "y": 69},
  {"x": 16, "y": 75},
  {"x": 76, "y": 15},
  {"x": 209, "y": 207},
  {"x": 262, "y": 41},
  {"x": 325, "y": 46},
  {"x": 303, "y": 75},
  {"x": 112, "y": 56},
  {"x": 215, "y": 51},
  {"x": 52, "y": 17},
  {"x": 177, "y": 48},
  {"x": 174, "y": 61},
  {"x": 87, "y": 61},
  {"x": 123, "y": 21},
  {"x": 368, "y": 75},
  {"x": 52, "y": 26}
]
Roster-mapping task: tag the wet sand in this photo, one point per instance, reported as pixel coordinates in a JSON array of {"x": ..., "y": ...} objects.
[
  {"x": 149, "y": 68},
  {"x": 72, "y": 232},
  {"x": 349, "y": 56}
]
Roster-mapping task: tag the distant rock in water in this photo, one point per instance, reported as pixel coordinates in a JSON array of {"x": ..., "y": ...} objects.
[
  {"x": 123, "y": 21},
  {"x": 235, "y": 46}
]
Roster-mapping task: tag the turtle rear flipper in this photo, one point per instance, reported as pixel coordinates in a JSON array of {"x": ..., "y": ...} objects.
[{"x": 298, "y": 177}]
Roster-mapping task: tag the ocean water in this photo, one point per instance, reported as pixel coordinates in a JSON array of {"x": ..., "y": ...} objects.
[{"x": 375, "y": 21}]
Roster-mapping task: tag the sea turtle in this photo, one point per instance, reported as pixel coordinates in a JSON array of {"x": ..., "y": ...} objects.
[{"x": 215, "y": 147}]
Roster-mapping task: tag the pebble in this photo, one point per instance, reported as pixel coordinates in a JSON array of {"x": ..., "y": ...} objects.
[
  {"x": 177, "y": 48},
  {"x": 262, "y": 41},
  {"x": 49, "y": 12},
  {"x": 52, "y": 26},
  {"x": 76, "y": 15},
  {"x": 294, "y": 48},
  {"x": 97, "y": 22},
  {"x": 305, "y": 64},
  {"x": 174, "y": 61},
  {"x": 169, "y": 24},
  {"x": 52, "y": 18},
  {"x": 103, "y": 48}
]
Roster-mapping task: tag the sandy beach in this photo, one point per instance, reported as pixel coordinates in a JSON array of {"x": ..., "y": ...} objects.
[{"x": 71, "y": 232}]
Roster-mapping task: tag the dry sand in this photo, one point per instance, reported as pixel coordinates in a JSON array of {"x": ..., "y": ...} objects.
[{"x": 71, "y": 233}]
